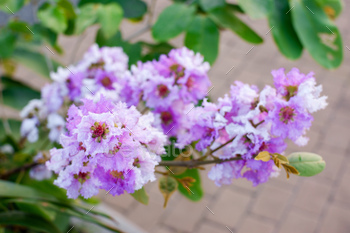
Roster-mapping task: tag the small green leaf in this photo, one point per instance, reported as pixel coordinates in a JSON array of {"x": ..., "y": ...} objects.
[
  {"x": 10, "y": 6},
  {"x": 155, "y": 50},
  {"x": 35, "y": 61},
  {"x": 172, "y": 21},
  {"x": 208, "y": 5},
  {"x": 17, "y": 95},
  {"x": 195, "y": 192},
  {"x": 317, "y": 33},
  {"x": 256, "y": 9},
  {"x": 167, "y": 186},
  {"x": 225, "y": 18},
  {"x": 110, "y": 17},
  {"x": 53, "y": 17},
  {"x": 203, "y": 36},
  {"x": 68, "y": 8},
  {"x": 307, "y": 164},
  {"x": 132, "y": 8},
  {"x": 282, "y": 30},
  {"x": 7, "y": 44},
  {"x": 141, "y": 196},
  {"x": 87, "y": 16},
  {"x": 35, "y": 222},
  {"x": 42, "y": 33}
]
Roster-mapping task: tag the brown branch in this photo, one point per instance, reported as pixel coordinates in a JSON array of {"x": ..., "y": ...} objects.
[
  {"x": 18, "y": 169},
  {"x": 195, "y": 163},
  {"x": 219, "y": 147}
]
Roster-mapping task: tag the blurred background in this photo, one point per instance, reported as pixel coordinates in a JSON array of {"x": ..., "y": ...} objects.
[{"x": 310, "y": 205}]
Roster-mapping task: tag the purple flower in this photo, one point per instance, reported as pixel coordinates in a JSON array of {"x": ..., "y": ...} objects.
[
  {"x": 289, "y": 119},
  {"x": 109, "y": 146},
  {"x": 287, "y": 84}
]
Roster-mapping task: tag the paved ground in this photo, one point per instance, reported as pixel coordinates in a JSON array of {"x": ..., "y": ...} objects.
[{"x": 303, "y": 205}]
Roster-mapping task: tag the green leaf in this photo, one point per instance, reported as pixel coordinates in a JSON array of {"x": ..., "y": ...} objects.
[
  {"x": 282, "y": 30},
  {"x": 52, "y": 17},
  {"x": 17, "y": 95},
  {"x": 203, "y": 36},
  {"x": 132, "y": 8},
  {"x": 110, "y": 17},
  {"x": 35, "y": 222},
  {"x": 225, "y": 18},
  {"x": 317, "y": 33},
  {"x": 7, "y": 44},
  {"x": 132, "y": 50},
  {"x": 35, "y": 208},
  {"x": 332, "y": 8},
  {"x": 256, "y": 9},
  {"x": 87, "y": 16},
  {"x": 208, "y": 5},
  {"x": 155, "y": 50},
  {"x": 307, "y": 164},
  {"x": 44, "y": 34},
  {"x": 35, "y": 61},
  {"x": 68, "y": 8},
  {"x": 19, "y": 27},
  {"x": 195, "y": 192},
  {"x": 167, "y": 186},
  {"x": 13, "y": 190},
  {"x": 172, "y": 21},
  {"x": 141, "y": 196},
  {"x": 13, "y": 5},
  {"x": 15, "y": 126}
]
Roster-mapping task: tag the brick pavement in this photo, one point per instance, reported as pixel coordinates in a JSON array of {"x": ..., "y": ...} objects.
[{"x": 303, "y": 205}]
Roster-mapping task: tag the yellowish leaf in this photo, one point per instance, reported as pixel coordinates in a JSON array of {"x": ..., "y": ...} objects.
[{"x": 263, "y": 156}]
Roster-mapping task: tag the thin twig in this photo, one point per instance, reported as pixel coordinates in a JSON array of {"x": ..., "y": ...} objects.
[
  {"x": 195, "y": 163},
  {"x": 219, "y": 147},
  {"x": 15, "y": 170}
]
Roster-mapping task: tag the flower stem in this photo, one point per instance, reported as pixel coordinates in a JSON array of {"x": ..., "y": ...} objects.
[
  {"x": 195, "y": 163},
  {"x": 219, "y": 147}
]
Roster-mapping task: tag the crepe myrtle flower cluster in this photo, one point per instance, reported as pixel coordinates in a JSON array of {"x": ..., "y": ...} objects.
[
  {"x": 254, "y": 122},
  {"x": 107, "y": 146},
  {"x": 170, "y": 87},
  {"x": 99, "y": 71}
]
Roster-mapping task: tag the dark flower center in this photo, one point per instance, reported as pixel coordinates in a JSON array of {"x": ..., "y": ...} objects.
[
  {"x": 178, "y": 70},
  {"x": 190, "y": 82},
  {"x": 286, "y": 114},
  {"x": 106, "y": 82},
  {"x": 118, "y": 175},
  {"x": 82, "y": 176},
  {"x": 99, "y": 131},
  {"x": 163, "y": 90},
  {"x": 166, "y": 117}
]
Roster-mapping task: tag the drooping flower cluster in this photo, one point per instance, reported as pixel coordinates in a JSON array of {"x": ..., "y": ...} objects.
[
  {"x": 112, "y": 146},
  {"x": 170, "y": 87},
  {"x": 257, "y": 122},
  {"x": 99, "y": 72},
  {"x": 108, "y": 146}
]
